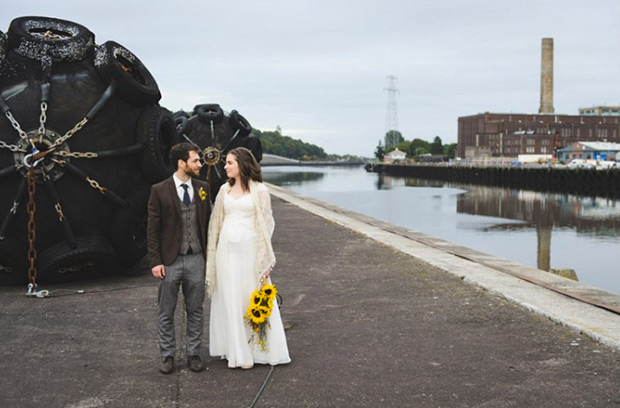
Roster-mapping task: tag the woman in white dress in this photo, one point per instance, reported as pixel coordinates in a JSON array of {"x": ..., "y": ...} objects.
[{"x": 239, "y": 261}]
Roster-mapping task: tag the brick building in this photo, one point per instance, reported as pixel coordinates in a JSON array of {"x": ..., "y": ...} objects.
[
  {"x": 508, "y": 134},
  {"x": 511, "y": 135}
]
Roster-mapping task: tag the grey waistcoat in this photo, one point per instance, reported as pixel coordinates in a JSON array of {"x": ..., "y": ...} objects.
[{"x": 191, "y": 233}]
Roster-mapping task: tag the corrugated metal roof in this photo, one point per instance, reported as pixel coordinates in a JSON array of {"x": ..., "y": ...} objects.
[{"x": 601, "y": 145}]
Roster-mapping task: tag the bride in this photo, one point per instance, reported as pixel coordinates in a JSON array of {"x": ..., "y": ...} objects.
[{"x": 239, "y": 261}]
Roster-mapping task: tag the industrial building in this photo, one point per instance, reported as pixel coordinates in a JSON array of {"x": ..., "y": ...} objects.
[
  {"x": 543, "y": 133},
  {"x": 589, "y": 151},
  {"x": 508, "y": 134}
]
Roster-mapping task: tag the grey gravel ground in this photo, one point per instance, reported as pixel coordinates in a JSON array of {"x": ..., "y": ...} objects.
[{"x": 367, "y": 326}]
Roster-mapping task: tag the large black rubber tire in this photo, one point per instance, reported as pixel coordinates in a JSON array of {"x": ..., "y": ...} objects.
[
  {"x": 136, "y": 85},
  {"x": 3, "y": 45},
  {"x": 157, "y": 132},
  {"x": 238, "y": 122},
  {"x": 93, "y": 256},
  {"x": 128, "y": 229},
  {"x": 253, "y": 143},
  {"x": 34, "y": 37},
  {"x": 183, "y": 126},
  {"x": 209, "y": 112},
  {"x": 13, "y": 262},
  {"x": 180, "y": 114}
]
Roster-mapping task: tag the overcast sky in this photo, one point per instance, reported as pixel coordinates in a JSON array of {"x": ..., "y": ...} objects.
[{"x": 319, "y": 69}]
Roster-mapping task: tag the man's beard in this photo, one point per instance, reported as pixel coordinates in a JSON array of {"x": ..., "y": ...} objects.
[{"x": 191, "y": 173}]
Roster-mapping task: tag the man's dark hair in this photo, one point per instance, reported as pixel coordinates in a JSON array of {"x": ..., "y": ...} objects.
[{"x": 181, "y": 151}]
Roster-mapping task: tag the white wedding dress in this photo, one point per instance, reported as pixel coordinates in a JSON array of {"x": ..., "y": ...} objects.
[{"x": 235, "y": 280}]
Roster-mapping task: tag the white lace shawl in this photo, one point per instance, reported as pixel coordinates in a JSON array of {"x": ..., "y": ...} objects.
[{"x": 264, "y": 258}]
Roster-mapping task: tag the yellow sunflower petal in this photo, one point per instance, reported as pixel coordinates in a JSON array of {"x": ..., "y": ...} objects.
[
  {"x": 265, "y": 311},
  {"x": 256, "y": 298},
  {"x": 270, "y": 291},
  {"x": 257, "y": 314}
]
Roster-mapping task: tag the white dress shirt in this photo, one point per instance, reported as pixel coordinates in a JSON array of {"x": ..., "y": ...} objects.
[{"x": 181, "y": 190}]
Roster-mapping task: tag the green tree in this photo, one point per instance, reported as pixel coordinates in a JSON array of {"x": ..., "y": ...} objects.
[
  {"x": 420, "y": 151},
  {"x": 404, "y": 147},
  {"x": 392, "y": 139},
  {"x": 274, "y": 142},
  {"x": 449, "y": 150},
  {"x": 436, "y": 147},
  {"x": 379, "y": 151},
  {"x": 419, "y": 146}
]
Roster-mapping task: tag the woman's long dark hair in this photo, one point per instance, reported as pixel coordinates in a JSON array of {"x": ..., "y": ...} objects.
[{"x": 249, "y": 169}]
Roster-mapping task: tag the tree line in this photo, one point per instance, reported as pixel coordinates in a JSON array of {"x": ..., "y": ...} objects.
[
  {"x": 416, "y": 149},
  {"x": 274, "y": 142}
]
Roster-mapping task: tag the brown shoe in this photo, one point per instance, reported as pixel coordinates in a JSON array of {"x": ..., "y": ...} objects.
[
  {"x": 195, "y": 364},
  {"x": 167, "y": 365}
]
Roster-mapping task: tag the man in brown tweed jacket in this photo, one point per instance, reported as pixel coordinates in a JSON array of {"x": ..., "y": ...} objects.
[{"x": 178, "y": 217}]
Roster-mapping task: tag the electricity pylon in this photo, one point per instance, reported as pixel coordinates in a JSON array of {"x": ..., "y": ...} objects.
[{"x": 391, "y": 117}]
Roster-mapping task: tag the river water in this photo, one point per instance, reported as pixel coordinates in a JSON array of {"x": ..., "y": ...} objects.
[{"x": 544, "y": 230}]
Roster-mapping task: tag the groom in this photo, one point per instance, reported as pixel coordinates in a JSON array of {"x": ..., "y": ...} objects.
[{"x": 178, "y": 215}]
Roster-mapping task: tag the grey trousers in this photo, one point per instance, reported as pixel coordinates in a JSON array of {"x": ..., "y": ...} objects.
[{"x": 187, "y": 271}]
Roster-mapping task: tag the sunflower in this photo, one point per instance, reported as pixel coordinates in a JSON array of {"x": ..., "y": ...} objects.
[
  {"x": 265, "y": 310},
  {"x": 270, "y": 291},
  {"x": 257, "y": 298},
  {"x": 257, "y": 314}
]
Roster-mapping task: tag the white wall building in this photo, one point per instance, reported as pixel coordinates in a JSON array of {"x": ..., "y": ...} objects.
[{"x": 394, "y": 155}]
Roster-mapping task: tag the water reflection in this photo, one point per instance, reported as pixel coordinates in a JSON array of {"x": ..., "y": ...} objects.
[
  {"x": 589, "y": 215},
  {"x": 544, "y": 212},
  {"x": 385, "y": 182},
  {"x": 284, "y": 178},
  {"x": 554, "y": 232}
]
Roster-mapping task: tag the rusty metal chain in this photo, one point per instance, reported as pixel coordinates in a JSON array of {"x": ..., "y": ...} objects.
[
  {"x": 13, "y": 148},
  {"x": 31, "y": 207},
  {"x": 78, "y": 155},
  {"x": 43, "y": 118},
  {"x": 69, "y": 134},
  {"x": 59, "y": 162},
  {"x": 94, "y": 184},
  {"x": 16, "y": 125},
  {"x": 58, "y": 208},
  {"x": 14, "y": 208},
  {"x": 75, "y": 268}
]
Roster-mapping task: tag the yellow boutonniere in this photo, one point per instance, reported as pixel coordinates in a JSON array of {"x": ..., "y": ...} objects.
[{"x": 202, "y": 193}]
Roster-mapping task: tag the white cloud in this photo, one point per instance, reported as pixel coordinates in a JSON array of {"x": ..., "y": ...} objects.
[{"x": 318, "y": 68}]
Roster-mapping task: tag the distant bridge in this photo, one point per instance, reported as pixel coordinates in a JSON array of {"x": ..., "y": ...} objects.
[{"x": 273, "y": 160}]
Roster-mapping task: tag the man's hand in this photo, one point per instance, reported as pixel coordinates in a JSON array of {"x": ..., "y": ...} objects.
[{"x": 159, "y": 271}]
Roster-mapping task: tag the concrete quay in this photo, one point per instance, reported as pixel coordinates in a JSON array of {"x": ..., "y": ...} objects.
[{"x": 376, "y": 316}]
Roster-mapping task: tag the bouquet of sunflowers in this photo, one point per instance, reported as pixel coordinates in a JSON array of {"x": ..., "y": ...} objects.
[{"x": 261, "y": 303}]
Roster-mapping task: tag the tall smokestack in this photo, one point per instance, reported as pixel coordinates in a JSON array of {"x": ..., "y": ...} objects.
[{"x": 546, "y": 77}]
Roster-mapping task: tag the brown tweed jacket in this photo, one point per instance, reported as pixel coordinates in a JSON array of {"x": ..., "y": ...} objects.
[{"x": 163, "y": 230}]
